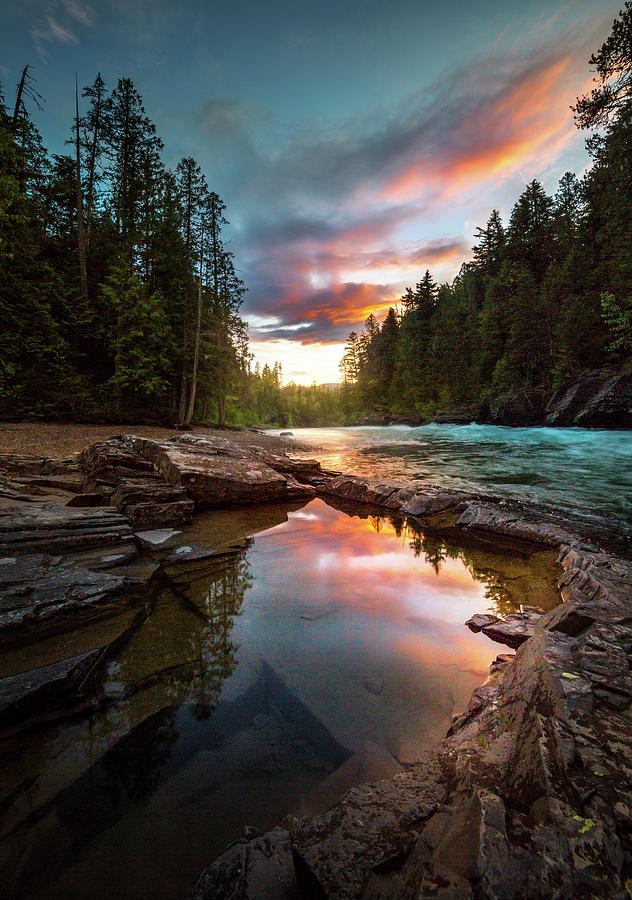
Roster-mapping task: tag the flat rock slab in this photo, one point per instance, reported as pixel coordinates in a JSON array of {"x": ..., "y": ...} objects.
[
  {"x": 156, "y": 483},
  {"x": 512, "y": 630},
  {"x": 41, "y": 595},
  {"x": 71, "y": 482},
  {"x": 211, "y": 475},
  {"x": 51, "y": 528},
  {"x": 38, "y": 465},
  {"x": 25, "y": 693},
  {"x": 192, "y": 561},
  {"x": 101, "y": 558}
]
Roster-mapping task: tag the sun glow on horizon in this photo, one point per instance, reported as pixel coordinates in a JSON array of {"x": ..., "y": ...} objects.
[{"x": 301, "y": 363}]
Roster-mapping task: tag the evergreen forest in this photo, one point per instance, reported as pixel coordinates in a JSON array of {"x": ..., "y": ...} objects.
[{"x": 546, "y": 295}]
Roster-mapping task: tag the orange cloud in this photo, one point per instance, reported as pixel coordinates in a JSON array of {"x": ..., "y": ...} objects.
[{"x": 527, "y": 126}]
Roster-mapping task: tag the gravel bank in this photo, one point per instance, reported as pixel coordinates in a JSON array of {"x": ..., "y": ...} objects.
[{"x": 55, "y": 439}]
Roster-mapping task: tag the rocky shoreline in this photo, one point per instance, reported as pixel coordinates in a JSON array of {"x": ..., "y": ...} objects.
[
  {"x": 597, "y": 398},
  {"x": 530, "y": 793}
]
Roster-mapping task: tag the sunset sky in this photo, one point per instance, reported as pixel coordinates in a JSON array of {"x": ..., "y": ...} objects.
[{"x": 355, "y": 143}]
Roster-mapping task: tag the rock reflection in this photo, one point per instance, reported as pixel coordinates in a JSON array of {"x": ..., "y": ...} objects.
[{"x": 79, "y": 774}]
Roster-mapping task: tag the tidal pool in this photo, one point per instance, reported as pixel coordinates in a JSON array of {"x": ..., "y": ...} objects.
[{"x": 325, "y": 650}]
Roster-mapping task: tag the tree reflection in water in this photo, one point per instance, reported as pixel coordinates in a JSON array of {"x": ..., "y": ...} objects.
[
  {"x": 220, "y": 600},
  {"x": 512, "y": 574}
]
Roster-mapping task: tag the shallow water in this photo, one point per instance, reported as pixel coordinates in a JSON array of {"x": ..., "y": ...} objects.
[
  {"x": 323, "y": 651},
  {"x": 586, "y": 470}
]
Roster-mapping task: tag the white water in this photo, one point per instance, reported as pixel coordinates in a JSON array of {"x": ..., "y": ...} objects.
[{"x": 589, "y": 471}]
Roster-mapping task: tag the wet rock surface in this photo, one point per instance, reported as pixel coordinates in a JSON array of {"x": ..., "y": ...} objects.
[{"x": 42, "y": 594}]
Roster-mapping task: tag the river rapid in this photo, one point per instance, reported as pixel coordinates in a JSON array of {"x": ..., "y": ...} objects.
[{"x": 583, "y": 470}]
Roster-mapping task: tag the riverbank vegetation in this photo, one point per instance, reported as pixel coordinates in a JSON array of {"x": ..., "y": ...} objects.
[{"x": 546, "y": 294}]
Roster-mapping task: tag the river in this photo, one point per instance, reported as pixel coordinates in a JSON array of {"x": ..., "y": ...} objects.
[{"x": 586, "y": 470}]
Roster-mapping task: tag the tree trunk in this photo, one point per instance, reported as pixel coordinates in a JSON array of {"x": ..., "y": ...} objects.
[
  {"x": 18, "y": 99},
  {"x": 81, "y": 234},
  {"x": 221, "y": 404},
  {"x": 182, "y": 408},
  {"x": 196, "y": 348}
]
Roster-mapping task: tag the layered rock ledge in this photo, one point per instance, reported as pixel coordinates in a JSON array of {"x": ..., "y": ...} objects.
[{"x": 64, "y": 521}]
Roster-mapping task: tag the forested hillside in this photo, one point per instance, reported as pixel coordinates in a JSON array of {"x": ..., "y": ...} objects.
[
  {"x": 118, "y": 294},
  {"x": 545, "y": 295}
]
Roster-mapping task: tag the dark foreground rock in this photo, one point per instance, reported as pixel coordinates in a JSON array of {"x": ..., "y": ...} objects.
[
  {"x": 257, "y": 867},
  {"x": 42, "y": 595}
]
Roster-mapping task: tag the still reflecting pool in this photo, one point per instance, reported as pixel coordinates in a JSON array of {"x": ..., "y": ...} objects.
[{"x": 325, "y": 650}]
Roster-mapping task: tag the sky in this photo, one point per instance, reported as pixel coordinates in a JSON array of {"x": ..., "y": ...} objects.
[{"x": 356, "y": 144}]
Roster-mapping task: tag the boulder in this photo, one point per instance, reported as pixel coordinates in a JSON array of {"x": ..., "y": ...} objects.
[
  {"x": 601, "y": 398},
  {"x": 256, "y": 867},
  {"x": 511, "y": 630}
]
